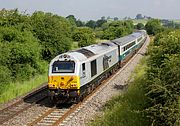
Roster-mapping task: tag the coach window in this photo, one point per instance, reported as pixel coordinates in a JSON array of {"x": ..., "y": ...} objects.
[
  {"x": 139, "y": 39},
  {"x": 93, "y": 68},
  {"x": 83, "y": 66}
]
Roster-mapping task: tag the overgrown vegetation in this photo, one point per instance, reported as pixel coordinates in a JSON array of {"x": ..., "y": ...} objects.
[
  {"x": 117, "y": 29},
  {"x": 84, "y": 36},
  {"x": 154, "y": 27},
  {"x": 163, "y": 84},
  {"x": 27, "y": 44},
  {"x": 53, "y": 33}
]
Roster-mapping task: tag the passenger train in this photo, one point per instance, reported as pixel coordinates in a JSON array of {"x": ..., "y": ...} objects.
[{"x": 74, "y": 74}]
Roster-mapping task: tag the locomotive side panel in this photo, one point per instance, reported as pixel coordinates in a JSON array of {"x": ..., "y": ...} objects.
[{"x": 97, "y": 66}]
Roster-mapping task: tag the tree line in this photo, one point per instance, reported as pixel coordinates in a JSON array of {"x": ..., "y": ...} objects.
[
  {"x": 29, "y": 42},
  {"x": 161, "y": 82}
]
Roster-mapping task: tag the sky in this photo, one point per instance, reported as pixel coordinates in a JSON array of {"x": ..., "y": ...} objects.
[{"x": 95, "y": 9}]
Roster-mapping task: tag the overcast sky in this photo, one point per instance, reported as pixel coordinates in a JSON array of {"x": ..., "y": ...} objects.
[{"x": 95, "y": 9}]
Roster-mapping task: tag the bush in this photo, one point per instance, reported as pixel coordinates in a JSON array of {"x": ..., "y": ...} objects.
[
  {"x": 18, "y": 51},
  {"x": 153, "y": 27},
  {"x": 84, "y": 36},
  {"x": 163, "y": 83},
  {"x": 140, "y": 26},
  {"x": 53, "y": 32},
  {"x": 23, "y": 71},
  {"x": 117, "y": 29},
  {"x": 5, "y": 75}
]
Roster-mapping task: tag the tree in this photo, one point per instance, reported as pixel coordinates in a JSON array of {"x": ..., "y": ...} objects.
[
  {"x": 117, "y": 29},
  {"x": 71, "y": 19},
  {"x": 139, "y": 16},
  {"x": 53, "y": 32},
  {"x": 140, "y": 26},
  {"x": 115, "y": 18},
  {"x": 91, "y": 24},
  {"x": 103, "y": 18},
  {"x": 19, "y": 54},
  {"x": 154, "y": 26},
  {"x": 100, "y": 22},
  {"x": 9, "y": 18},
  {"x": 84, "y": 36},
  {"x": 79, "y": 23}
]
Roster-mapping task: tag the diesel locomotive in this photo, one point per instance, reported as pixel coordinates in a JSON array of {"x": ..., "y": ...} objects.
[{"x": 74, "y": 74}]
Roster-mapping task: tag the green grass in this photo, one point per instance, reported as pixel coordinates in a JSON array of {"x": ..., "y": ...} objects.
[
  {"x": 100, "y": 40},
  {"x": 13, "y": 90},
  {"x": 177, "y": 21},
  {"x": 127, "y": 109},
  {"x": 74, "y": 46}
]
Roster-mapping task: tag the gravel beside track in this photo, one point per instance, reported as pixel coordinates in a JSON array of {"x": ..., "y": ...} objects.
[
  {"x": 114, "y": 86},
  {"x": 19, "y": 105},
  {"x": 28, "y": 116}
]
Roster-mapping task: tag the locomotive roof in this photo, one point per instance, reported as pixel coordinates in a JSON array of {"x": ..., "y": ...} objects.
[
  {"x": 100, "y": 48},
  {"x": 92, "y": 50},
  {"x": 124, "y": 40}
]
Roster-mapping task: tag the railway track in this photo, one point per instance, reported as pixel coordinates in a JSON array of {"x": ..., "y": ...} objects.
[
  {"x": 23, "y": 104},
  {"x": 53, "y": 116},
  {"x": 56, "y": 115}
]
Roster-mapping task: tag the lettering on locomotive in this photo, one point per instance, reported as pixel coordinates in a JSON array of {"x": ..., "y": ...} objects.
[{"x": 106, "y": 60}]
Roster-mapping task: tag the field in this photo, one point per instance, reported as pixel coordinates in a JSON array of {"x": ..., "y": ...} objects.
[
  {"x": 143, "y": 21},
  {"x": 177, "y": 21}
]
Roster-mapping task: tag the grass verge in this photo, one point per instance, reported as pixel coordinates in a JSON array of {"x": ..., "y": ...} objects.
[
  {"x": 127, "y": 109},
  {"x": 74, "y": 46},
  {"x": 13, "y": 90}
]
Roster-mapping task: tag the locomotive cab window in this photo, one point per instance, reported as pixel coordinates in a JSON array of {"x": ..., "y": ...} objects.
[
  {"x": 63, "y": 67},
  {"x": 93, "y": 68}
]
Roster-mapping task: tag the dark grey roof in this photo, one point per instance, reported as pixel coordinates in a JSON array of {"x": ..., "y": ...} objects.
[
  {"x": 86, "y": 52},
  {"x": 124, "y": 40}
]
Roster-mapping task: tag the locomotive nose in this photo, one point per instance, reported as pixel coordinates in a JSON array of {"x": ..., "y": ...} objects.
[{"x": 64, "y": 82}]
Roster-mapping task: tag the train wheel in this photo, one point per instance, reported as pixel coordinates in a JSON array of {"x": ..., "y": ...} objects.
[{"x": 79, "y": 99}]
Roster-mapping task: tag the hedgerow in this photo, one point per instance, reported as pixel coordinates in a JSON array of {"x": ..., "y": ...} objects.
[{"x": 163, "y": 84}]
